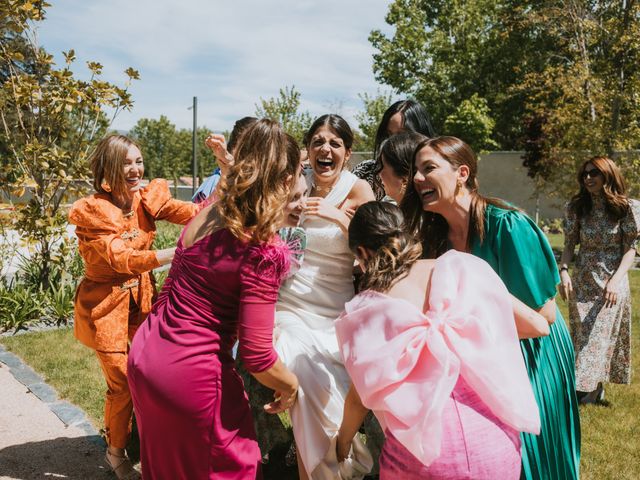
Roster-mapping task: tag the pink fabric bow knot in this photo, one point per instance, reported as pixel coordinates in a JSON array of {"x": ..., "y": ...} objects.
[{"x": 405, "y": 363}]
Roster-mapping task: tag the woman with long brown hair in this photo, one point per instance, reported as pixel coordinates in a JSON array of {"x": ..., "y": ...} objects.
[
  {"x": 193, "y": 415},
  {"x": 115, "y": 228},
  {"x": 444, "y": 208},
  {"x": 601, "y": 220}
]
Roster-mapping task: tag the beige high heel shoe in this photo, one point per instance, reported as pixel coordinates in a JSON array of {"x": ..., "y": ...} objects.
[{"x": 121, "y": 466}]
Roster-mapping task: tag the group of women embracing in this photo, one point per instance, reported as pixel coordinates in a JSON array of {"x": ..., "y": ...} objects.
[{"x": 453, "y": 340}]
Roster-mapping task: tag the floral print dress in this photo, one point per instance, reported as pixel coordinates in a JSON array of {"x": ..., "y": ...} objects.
[{"x": 601, "y": 336}]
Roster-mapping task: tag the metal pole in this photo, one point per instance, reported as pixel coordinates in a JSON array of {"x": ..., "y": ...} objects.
[{"x": 194, "y": 146}]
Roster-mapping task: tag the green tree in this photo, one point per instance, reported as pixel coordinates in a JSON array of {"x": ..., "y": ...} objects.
[
  {"x": 164, "y": 155},
  {"x": 48, "y": 121},
  {"x": 472, "y": 122},
  {"x": 558, "y": 77},
  {"x": 284, "y": 109},
  {"x": 369, "y": 118}
]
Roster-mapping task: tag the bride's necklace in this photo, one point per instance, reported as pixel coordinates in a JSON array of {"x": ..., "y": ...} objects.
[{"x": 323, "y": 190}]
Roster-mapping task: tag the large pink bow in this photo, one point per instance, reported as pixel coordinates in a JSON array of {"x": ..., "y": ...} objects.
[{"x": 405, "y": 364}]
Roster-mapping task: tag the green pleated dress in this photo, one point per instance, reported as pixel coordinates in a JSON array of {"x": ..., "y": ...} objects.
[{"x": 521, "y": 255}]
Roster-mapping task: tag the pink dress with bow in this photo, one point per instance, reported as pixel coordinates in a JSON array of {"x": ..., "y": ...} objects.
[{"x": 449, "y": 385}]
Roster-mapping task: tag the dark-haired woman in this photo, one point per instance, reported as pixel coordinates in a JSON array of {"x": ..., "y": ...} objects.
[
  {"x": 394, "y": 163},
  {"x": 601, "y": 220},
  {"x": 443, "y": 206},
  {"x": 314, "y": 297},
  {"x": 451, "y": 401},
  {"x": 403, "y": 116}
]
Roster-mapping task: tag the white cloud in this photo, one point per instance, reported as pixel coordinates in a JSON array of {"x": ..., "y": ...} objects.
[{"x": 228, "y": 53}]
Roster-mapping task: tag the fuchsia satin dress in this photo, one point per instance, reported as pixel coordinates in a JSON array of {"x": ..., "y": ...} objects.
[{"x": 192, "y": 411}]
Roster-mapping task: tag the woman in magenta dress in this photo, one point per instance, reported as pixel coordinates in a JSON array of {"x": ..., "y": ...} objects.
[
  {"x": 432, "y": 348},
  {"x": 193, "y": 415}
]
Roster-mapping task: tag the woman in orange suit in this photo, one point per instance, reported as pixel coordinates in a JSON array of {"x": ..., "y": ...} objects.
[{"x": 115, "y": 229}]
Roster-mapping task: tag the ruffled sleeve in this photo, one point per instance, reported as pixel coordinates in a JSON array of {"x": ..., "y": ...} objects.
[
  {"x": 631, "y": 227},
  {"x": 260, "y": 276},
  {"x": 157, "y": 201},
  {"x": 468, "y": 330},
  {"x": 99, "y": 229},
  {"x": 523, "y": 258},
  {"x": 571, "y": 228}
]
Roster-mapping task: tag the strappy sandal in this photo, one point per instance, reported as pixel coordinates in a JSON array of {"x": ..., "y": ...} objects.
[{"x": 123, "y": 468}]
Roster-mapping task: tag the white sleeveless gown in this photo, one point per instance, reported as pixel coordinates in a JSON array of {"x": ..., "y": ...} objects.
[{"x": 305, "y": 339}]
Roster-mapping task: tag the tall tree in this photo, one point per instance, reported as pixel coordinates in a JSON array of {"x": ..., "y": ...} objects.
[
  {"x": 369, "y": 118},
  {"x": 284, "y": 109},
  {"x": 565, "y": 71},
  {"x": 48, "y": 120}
]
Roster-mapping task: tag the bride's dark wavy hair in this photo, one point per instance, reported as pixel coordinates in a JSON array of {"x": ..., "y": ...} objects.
[
  {"x": 614, "y": 190},
  {"x": 379, "y": 228}
]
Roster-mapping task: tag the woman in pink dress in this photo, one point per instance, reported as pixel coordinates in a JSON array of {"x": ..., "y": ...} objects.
[
  {"x": 193, "y": 415},
  {"x": 432, "y": 348}
]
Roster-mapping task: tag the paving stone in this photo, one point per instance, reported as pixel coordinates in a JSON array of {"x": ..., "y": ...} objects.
[
  {"x": 44, "y": 392},
  {"x": 25, "y": 375},
  {"x": 9, "y": 358},
  {"x": 69, "y": 414}
]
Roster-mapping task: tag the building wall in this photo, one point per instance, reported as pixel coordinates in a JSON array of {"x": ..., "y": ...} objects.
[{"x": 500, "y": 174}]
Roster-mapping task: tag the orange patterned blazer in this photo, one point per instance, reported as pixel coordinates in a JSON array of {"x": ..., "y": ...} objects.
[{"x": 116, "y": 249}]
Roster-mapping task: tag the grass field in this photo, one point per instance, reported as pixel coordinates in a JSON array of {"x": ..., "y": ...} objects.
[{"x": 610, "y": 434}]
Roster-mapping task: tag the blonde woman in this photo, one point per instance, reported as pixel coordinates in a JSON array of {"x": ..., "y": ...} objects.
[{"x": 193, "y": 415}]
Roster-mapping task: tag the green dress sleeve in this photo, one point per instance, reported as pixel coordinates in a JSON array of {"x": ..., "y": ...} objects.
[{"x": 520, "y": 254}]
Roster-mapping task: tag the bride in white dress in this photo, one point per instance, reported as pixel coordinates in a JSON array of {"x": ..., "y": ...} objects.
[{"x": 312, "y": 300}]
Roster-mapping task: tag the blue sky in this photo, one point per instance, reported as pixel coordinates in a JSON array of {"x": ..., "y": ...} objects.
[{"x": 227, "y": 53}]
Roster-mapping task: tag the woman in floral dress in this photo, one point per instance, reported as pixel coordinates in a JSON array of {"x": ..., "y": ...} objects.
[{"x": 601, "y": 219}]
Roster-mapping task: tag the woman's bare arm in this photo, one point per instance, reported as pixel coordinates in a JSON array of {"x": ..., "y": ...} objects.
[{"x": 529, "y": 323}]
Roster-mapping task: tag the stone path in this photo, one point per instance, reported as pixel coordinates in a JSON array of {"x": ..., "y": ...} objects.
[{"x": 42, "y": 436}]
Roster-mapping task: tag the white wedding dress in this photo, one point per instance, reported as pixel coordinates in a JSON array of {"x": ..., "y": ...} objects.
[{"x": 305, "y": 338}]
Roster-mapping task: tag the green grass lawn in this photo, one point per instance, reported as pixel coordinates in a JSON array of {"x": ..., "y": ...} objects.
[{"x": 610, "y": 435}]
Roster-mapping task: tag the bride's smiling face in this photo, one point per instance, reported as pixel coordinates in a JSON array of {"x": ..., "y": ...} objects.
[{"x": 327, "y": 154}]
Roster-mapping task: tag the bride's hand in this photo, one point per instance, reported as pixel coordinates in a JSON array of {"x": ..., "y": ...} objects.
[{"x": 319, "y": 207}]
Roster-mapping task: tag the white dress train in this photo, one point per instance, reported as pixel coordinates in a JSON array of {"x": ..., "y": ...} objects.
[{"x": 305, "y": 339}]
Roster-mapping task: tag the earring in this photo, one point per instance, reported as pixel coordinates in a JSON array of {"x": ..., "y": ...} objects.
[
  {"x": 403, "y": 188},
  {"x": 459, "y": 191},
  {"x": 105, "y": 186}
]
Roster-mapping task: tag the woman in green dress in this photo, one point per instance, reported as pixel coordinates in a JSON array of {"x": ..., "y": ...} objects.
[{"x": 443, "y": 206}]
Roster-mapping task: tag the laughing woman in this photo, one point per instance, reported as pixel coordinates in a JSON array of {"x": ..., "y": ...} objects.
[
  {"x": 443, "y": 206},
  {"x": 314, "y": 297},
  {"x": 115, "y": 229}
]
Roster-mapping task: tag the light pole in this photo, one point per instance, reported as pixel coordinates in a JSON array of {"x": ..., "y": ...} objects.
[{"x": 194, "y": 146}]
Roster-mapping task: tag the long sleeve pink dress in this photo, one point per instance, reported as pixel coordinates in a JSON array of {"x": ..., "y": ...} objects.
[
  {"x": 192, "y": 411},
  {"x": 449, "y": 385}
]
